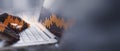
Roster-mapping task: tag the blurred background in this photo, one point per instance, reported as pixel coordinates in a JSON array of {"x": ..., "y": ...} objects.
[{"x": 80, "y": 25}]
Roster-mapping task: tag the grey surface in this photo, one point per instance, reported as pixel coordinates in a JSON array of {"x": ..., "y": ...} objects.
[
  {"x": 36, "y": 48},
  {"x": 97, "y": 26}
]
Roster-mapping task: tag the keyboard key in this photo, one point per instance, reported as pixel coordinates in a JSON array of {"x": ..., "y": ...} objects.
[
  {"x": 25, "y": 37},
  {"x": 36, "y": 34},
  {"x": 30, "y": 35},
  {"x": 42, "y": 34}
]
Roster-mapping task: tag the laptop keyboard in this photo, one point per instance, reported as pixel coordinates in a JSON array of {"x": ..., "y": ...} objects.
[{"x": 32, "y": 34}]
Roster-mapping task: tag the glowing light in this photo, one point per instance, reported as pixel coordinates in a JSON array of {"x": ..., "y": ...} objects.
[
  {"x": 12, "y": 21},
  {"x": 2, "y": 27},
  {"x": 57, "y": 21}
]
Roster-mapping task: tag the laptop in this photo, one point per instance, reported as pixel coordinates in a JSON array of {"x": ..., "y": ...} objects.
[{"x": 36, "y": 34}]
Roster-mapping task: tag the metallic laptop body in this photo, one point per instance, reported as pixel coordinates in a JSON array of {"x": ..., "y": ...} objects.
[{"x": 36, "y": 34}]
